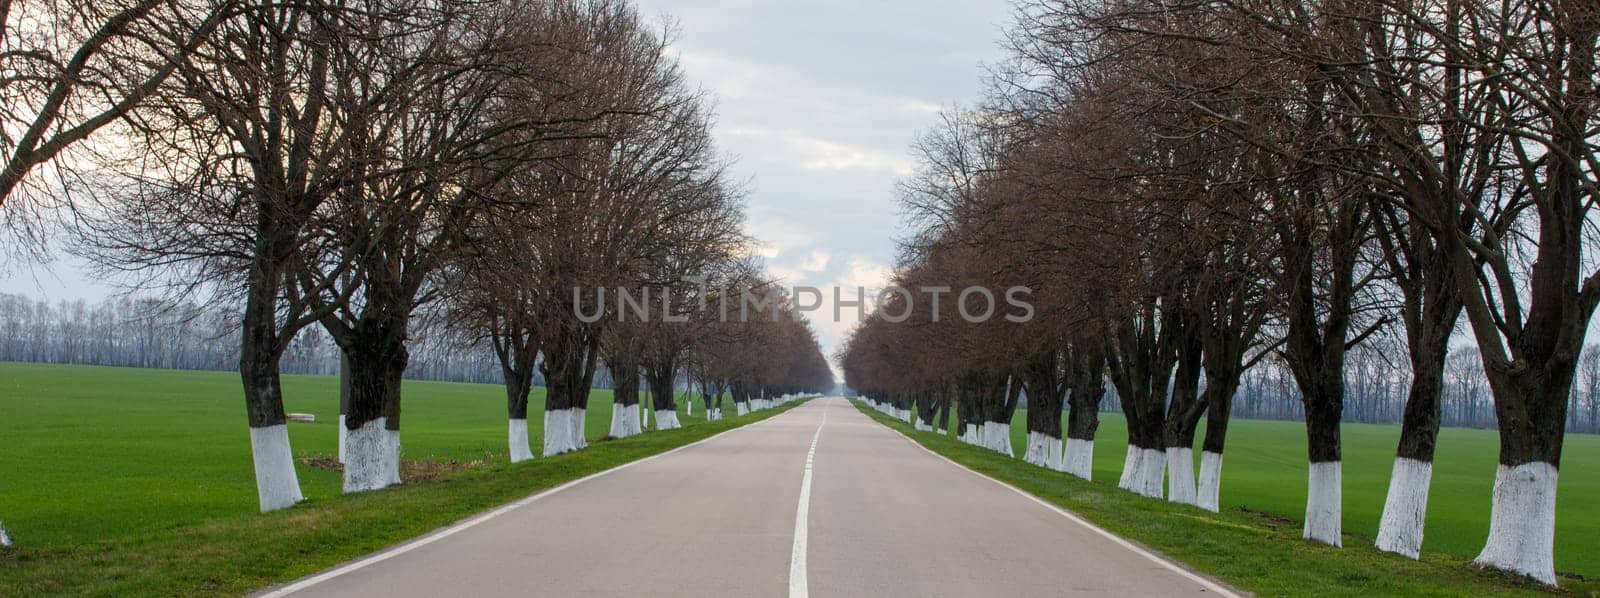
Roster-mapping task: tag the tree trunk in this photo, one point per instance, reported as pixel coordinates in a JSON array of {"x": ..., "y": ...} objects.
[
  {"x": 1324, "y": 499},
  {"x": 378, "y": 360},
  {"x": 1405, "y": 509},
  {"x": 1086, "y": 388},
  {"x": 943, "y": 423},
  {"x": 1043, "y": 381},
  {"x": 563, "y": 374},
  {"x": 661, "y": 389},
  {"x": 1315, "y": 350},
  {"x": 1183, "y": 417},
  {"x": 1140, "y": 360},
  {"x": 277, "y": 484},
  {"x": 1522, "y": 520},
  {"x": 926, "y": 406},
  {"x": 518, "y": 353},
  {"x": 519, "y": 384},
  {"x": 579, "y": 419}
]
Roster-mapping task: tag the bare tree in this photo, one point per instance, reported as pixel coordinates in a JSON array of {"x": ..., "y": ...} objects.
[
  {"x": 71, "y": 69},
  {"x": 237, "y": 161}
]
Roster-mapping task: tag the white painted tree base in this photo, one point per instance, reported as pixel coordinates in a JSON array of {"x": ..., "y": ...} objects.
[
  {"x": 971, "y": 435},
  {"x": 372, "y": 457},
  {"x": 558, "y": 432},
  {"x": 1406, "y": 508},
  {"x": 667, "y": 419},
  {"x": 1522, "y": 523},
  {"x": 1152, "y": 470},
  {"x": 1180, "y": 476},
  {"x": 5, "y": 538},
  {"x": 1043, "y": 450},
  {"x": 741, "y": 409},
  {"x": 579, "y": 422},
  {"x": 517, "y": 440},
  {"x": 997, "y": 437},
  {"x": 922, "y": 427},
  {"x": 1079, "y": 458},
  {"x": 1131, "y": 464},
  {"x": 1325, "y": 503},
  {"x": 1210, "y": 493},
  {"x": 625, "y": 421},
  {"x": 277, "y": 484}
]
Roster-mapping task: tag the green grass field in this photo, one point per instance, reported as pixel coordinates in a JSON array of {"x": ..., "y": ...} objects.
[
  {"x": 1258, "y": 553},
  {"x": 1265, "y": 470},
  {"x": 94, "y": 453}
]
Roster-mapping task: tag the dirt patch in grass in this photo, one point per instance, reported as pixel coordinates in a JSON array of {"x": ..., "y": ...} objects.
[
  {"x": 412, "y": 471},
  {"x": 1269, "y": 520}
]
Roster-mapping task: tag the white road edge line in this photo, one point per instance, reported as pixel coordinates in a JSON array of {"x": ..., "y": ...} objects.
[
  {"x": 1192, "y": 576},
  {"x": 459, "y": 527},
  {"x": 802, "y": 515}
]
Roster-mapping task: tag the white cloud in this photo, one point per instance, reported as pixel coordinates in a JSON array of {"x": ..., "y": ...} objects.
[
  {"x": 919, "y": 107},
  {"x": 816, "y": 261},
  {"x": 815, "y": 153},
  {"x": 866, "y": 273}
]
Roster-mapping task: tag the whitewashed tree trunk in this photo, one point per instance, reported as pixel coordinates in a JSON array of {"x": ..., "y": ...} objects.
[
  {"x": 1043, "y": 450},
  {"x": 741, "y": 409},
  {"x": 1325, "y": 503},
  {"x": 1131, "y": 465},
  {"x": 517, "y": 440},
  {"x": 5, "y": 538},
  {"x": 1079, "y": 458},
  {"x": 557, "y": 431},
  {"x": 667, "y": 419},
  {"x": 1406, "y": 508},
  {"x": 393, "y": 464},
  {"x": 1152, "y": 467},
  {"x": 997, "y": 438},
  {"x": 277, "y": 484},
  {"x": 1180, "y": 476},
  {"x": 644, "y": 417},
  {"x": 625, "y": 421},
  {"x": 1522, "y": 523},
  {"x": 372, "y": 457},
  {"x": 580, "y": 422},
  {"x": 1210, "y": 493}
]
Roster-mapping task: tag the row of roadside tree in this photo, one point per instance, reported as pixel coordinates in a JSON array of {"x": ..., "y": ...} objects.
[{"x": 1191, "y": 189}]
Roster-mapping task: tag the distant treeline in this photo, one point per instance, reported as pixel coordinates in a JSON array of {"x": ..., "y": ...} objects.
[
  {"x": 150, "y": 333},
  {"x": 1376, "y": 389}
]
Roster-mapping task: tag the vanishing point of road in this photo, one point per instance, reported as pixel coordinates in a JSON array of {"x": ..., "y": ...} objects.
[{"x": 820, "y": 500}]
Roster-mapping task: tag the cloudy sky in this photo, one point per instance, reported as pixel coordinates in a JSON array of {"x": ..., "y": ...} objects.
[{"x": 818, "y": 102}]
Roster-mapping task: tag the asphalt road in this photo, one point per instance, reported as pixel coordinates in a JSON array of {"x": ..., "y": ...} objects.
[{"x": 733, "y": 516}]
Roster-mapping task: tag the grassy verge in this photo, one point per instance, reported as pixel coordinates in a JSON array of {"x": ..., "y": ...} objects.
[
  {"x": 1245, "y": 549},
  {"x": 99, "y": 453},
  {"x": 1265, "y": 472},
  {"x": 238, "y": 554}
]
